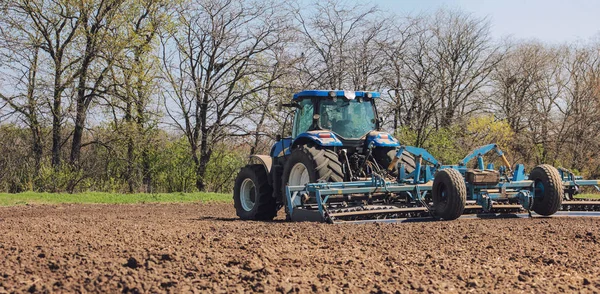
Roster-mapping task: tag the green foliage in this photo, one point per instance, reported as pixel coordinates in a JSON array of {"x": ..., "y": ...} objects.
[
  {"x": 486, "y": 129},
  {"x": 223, "y": 167},
  {"x": 56, "y": 180},
  {"x": 443, "y": 143},
  {"x": 174, "y": 168},
  {"x": 108, "y": 198}
]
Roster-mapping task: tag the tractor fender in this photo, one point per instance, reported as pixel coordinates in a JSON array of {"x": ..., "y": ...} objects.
[
  {"x": 265, "y": 160},
  {"x": 281, "y": 147},
  {"x": 318, "y": 137},
  {"x": 381, "y": 139}
]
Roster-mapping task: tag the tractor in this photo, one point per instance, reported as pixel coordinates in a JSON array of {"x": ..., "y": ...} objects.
[
  {"x": 336, "y": 137},
  {"x": 339, "y": 166}
]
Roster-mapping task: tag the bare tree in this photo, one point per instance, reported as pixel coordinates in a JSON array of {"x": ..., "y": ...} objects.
[
  {"x": 579, "y": 119},
  {"x": 338, "y": 43},
  {"x": 97, "y": 19},
  {"x": 20, "y": 70},
  {"x": 212, "y": 67},
  {"x": 514, "y": 82},
  {"x": 56, "y": 23},
  {"x": 465, "y": 56}
]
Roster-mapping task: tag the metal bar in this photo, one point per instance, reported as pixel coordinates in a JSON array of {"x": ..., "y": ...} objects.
[
  {"x": 319, "y": 203},
  {"x": 288, "y": 194},
  {"x": 379, "y": 211},
  {"x": 496, "y": 206},
  {"x": 392, "y": 189},
  {"x": 582, "y": 183},
  {"x": 417, "y": 170}
]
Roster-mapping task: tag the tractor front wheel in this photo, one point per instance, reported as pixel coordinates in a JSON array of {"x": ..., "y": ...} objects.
[
  {"x": 449, "y": 194},
  {"x": 548, "y": 189},
  {"x": 252, "y": 194}
]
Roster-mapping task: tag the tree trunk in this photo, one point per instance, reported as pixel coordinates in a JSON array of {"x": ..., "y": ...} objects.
[
  {"x": 78, "y": 133},
  {"x": 130, "y": 145},
  {"x": 56, "y": 122},
  {"x": 201, "y": 170}
]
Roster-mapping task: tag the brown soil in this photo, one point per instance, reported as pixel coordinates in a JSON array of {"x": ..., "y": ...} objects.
[{"x": 200, "y": 248}]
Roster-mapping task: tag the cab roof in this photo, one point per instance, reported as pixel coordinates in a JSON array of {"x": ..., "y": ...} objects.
[{"x": 335, "y": 93}]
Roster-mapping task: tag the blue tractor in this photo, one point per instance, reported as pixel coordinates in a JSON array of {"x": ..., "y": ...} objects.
[
  {"x": 338, "y": 166},
  {"x": 336, "y": 137}
]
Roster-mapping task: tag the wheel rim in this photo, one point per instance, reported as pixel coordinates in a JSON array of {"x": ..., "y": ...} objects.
[
  {"x": 539, "y": 189},
  {"x": 441, "y": 192},
  {"x": 298, "y": 177},
  {"x": 248, "y": 194}
]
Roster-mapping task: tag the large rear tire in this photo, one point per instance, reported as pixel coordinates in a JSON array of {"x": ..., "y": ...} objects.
[
  {"x": 384, "y": 156},
  {"x": 548, "y": 189},
  {"x": 252, "y": 194},
  {"x": 449, "y": 194},
  {"x": 310, "y": 164}
]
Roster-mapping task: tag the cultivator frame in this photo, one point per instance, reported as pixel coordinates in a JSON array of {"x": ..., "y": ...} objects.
[{"x": 409, "y": 195}]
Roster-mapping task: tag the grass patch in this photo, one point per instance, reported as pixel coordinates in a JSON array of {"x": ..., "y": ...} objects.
[
  {"x": 588, "y": 196},
  {"x": 7, "y": 199}
]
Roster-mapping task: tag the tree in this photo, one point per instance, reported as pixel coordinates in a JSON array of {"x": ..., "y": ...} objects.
[
  {"x": 338, "y": 44},
  {"x": 22, "y": 60},
  {"x": 465, "y": 56},
  {"x": 134, "y": 78},
  {"x": 97, "y": 20},
  {"x": 56, "y": 23},
  {"x": 209, "y": 62}
]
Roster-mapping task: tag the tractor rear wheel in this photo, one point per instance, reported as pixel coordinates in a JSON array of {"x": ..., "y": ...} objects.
[
  {"x": 252, "y": 194},
  {"x": 449, "y": 194},
  {"x": 385, "y": 156},
  {"x": 548, "y": 189},
  {"x": 310, "y": 164}
]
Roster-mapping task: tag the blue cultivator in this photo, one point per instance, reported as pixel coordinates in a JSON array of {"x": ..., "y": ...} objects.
[{"x": 436, "y": 190}]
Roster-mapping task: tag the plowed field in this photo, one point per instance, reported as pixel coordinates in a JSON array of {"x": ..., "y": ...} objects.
[{"x": 205, "y": 248}]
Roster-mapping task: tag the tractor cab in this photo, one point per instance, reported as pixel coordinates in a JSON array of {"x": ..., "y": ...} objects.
[{"x": 348, "y": 114}]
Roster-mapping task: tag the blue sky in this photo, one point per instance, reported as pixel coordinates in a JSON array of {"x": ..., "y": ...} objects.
[{"x": 550, "y": 21}]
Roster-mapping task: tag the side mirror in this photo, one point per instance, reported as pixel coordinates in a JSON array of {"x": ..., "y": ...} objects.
[{"x": 277, "y": 138}]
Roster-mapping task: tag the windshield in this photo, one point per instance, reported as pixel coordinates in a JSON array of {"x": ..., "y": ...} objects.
[{"x": 347, "y": 118}]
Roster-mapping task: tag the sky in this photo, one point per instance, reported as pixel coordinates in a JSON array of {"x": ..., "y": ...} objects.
[{"x": 549, "y": 21}]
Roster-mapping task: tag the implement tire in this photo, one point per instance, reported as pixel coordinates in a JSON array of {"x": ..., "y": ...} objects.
[
  {"x": 449, "y": 194},
  {"x": 252, "y": 194},
  {"x": 549, "y": 189},
  {"x": 310, "y": 164},
  {"x": 384, "y": 156}
]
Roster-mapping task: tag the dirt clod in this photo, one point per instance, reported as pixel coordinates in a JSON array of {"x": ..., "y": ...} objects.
[{"x": 132, "y": 263}]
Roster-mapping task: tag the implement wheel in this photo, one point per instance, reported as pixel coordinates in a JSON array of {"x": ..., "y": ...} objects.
[
  {"x": 252, "y": 194},
  {"x": 309, "y": 164},
  {"x": 548, "y": 189},
  {"x": 449, "y": 194}
]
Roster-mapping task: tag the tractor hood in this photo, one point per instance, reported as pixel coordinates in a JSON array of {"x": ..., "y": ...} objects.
[
  {"x": 381, "y": 139},
  {"x": 321, "y": 137}
]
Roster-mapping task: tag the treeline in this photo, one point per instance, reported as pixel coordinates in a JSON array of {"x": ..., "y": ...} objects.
[{"x": 163, "y": 95}]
